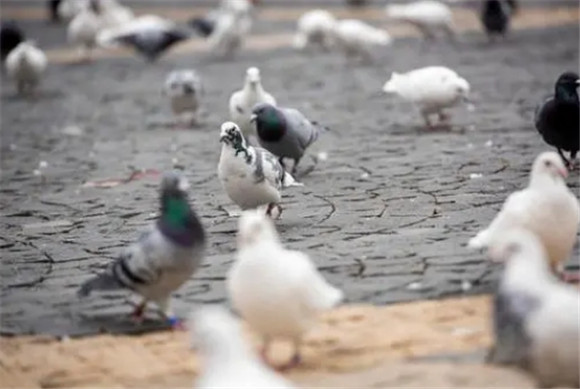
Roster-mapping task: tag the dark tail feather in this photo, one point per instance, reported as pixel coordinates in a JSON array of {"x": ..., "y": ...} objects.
[{"x": 100, "y": 282}]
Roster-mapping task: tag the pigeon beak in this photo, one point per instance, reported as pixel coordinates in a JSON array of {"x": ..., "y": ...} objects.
[
  {"x": 563, "y": 173},
  {"x": 495, "y": 254},
  {"x": 253, "y": 118},
  {"x": 578, "y": 82}
]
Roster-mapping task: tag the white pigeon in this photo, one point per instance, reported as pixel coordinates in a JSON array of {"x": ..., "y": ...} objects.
[
  {"x": 358, "y": 39},
  {"x": 232, "y": 26},
  {"x": 290, "y": 293},
  {"x": 251, "y": 176},
  {"x": 427, "y": 15},
  {"x": 546, "y": 207},
  {"x": 536, "y": 316},
  {"x": 431, "y": 89},
  {"x": 84, "y": 28},
  {"x": 315, "y": 28},
  {"x": 26, "y": 65},
  {"x": 68, "y": 9},
  {"x": 227, "y": 360},
  {"x": 243, "y": 101},
  {"x": 184, "y": 88},
  {"x": 115, "y": 14}
]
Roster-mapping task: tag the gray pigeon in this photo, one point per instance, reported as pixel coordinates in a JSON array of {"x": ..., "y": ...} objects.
[
  {"x": 285, "y": 132},
  {"x": 164, "y": 256},
  {"x": 536, "y": 316}
]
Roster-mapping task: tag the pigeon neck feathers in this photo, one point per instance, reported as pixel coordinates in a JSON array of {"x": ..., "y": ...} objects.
[
  {"x": 566, "y": 93},
  {"x": 270, "y": 125},
  {"x": 177, "y": 221}
]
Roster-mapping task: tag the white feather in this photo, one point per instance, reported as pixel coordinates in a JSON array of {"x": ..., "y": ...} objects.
[
  {"x": 358, "y": 38},
  {"x": 315, "y": 27},
  {"x": 426, "y": 13},
  {"x": 26, "y": 65}
]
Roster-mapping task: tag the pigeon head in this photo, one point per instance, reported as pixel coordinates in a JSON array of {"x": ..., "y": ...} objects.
[
  {"x": 255, "y": 227},
  {"x": 493, "y": 6},
  {"x": 270, "y": 123},
  {"x": 231, "y": 135},
  {"x": 566, "y": 87},
  {"x": 519, "y": 244},
  {"x": 462, "y": 86},
  {"x": 392, "y": 85},
  {"x": 549, "y": 165},
  {"x": 253, "y": 76}
]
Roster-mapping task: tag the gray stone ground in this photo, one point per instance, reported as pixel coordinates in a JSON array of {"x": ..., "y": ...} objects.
[{"x": 392, "y": 196}]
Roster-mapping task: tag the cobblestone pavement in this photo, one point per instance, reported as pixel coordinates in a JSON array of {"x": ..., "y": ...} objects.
[{"x": 385, "y": 218}]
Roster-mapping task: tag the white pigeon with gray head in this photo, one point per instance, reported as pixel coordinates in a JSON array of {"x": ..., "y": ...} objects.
[
  {"x": 285, "y": 132},
  {"x": 359, "y": 40},
  {"x": 290, "y": 294},
  {"x": 546, "y": 207},
  {"x": 251, "y": 176},
  {"x": 26, "y": 65},
  {"x": 184, "y": 89},
  {"x": 243, "y": 101},
  {"x": 536, "y": 316},
  {"x": 84, "y": 28},
  {"x": 149, "y": 35},
  {"x": 428, "y": 16},
  {"x": 315, "y": 29},
  {"x": 431, "y": 89},
  {"x": 163, "y": 258},
  {"x": 227, "y": 359}
]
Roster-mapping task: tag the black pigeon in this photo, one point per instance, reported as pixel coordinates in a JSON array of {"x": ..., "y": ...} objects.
[
  {"x": 203, "y": 26},
  {"x": 10, "y": 36},
  {"x": 53, "y": 10},
  {"x": 557, "y": 119},
  {"x": 495, "y": 17}
]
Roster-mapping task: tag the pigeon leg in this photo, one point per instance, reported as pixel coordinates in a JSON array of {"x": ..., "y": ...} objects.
[
  {"x": 137, "y": 314},
  {"x": 450, "y": 33},
  {"x": 444, "y": 117},
  {"x": 281, "y": 160},
  {"x": 167, "y": 313},
  {"x": 295, "y": 360},
  {"x": 566, "y": 161},
  {"x": 295, "y": 167},
  {"x": 427, "y": 120}
]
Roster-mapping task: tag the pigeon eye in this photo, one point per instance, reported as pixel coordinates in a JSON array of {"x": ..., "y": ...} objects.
[
  {"x": 547, "y": 163},
  {"x": 512, "y": 248}
]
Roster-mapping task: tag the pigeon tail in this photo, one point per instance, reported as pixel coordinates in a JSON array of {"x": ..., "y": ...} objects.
[
  {"x": 100, "y": 282},
  {"x": 288, "y": 181},
  {"x": 478, "y": 241},
  {"x": 325, "y": 296}
]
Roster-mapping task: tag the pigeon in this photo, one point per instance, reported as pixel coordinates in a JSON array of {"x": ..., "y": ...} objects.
[
  {"x": 68, "y": 9},
  {"x": 315, "y": 29},
  {"x": 149, "y": 35},
  {"x": 535, "y": 315},
  {"x": 431, "y": 89},
  {"x": 84, "y": 28},
  {"x": 290, "y": 293},
  {"x": 495, "y": 17},
  {"x": 232, "y": 25},
  {"x": 184, "y": 88},
  {"x": 358, "y": 39},
  {"x": 204, "y": 25},
  {"x": 251, "y": 176},
  {"x": 26, "y": 65},
  {"x": 227, "y": 360},
  {"x": 285, "y": 132},
  {"x": 243, "y": 100},
  {"x": 546, "y": 207},
  {"x": 557, "y": 119},
  {"x": 11, "y": 35},
  {"x": 163, "y": 258},
  {"x": 427, "y": 15},
  {"x": 115, "y": 14}
]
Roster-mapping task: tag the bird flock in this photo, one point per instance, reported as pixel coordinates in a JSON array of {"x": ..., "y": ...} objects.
[{"x": 535, "y": 314}]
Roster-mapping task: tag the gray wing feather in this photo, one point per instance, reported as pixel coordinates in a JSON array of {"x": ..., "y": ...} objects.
[{"x": 306, "y": 131}]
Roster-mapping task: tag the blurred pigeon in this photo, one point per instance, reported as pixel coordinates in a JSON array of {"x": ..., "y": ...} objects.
[
  {"x": 203, "y": 25},
  {"x": 251, "y": 176},
  {"x": 290, "y": 293},
  {"x": 315, "y": 28},
  {"x": 546, "y": 207},
  {"x": 536, "y": 317},
  {"x": 84, "y": 28},
  {"x": 228, "y": 361},
  {"x": 243, "y": 100},
  {"x": 495, "y": 17},
  {"x": 26, "y": 65},
  {"x": 232, "y": 25},
  {"x": 557, "y": 119},
  {"x": 68, "y": 9},
  {"x": 114, "y": 14},
  {"x": 164, "y": 257},
  {"x": 285, "y": 132},
  {"x": 52, "y": 7},
  {"x": 184, "y": 88},
  {"x": 431, "y": 89},
  {"x": 150, "y": 35},
  {"x": 358, "y": 39},
  {"x": 10, "y": 36},
  {"x": 427, "y": 15}
]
